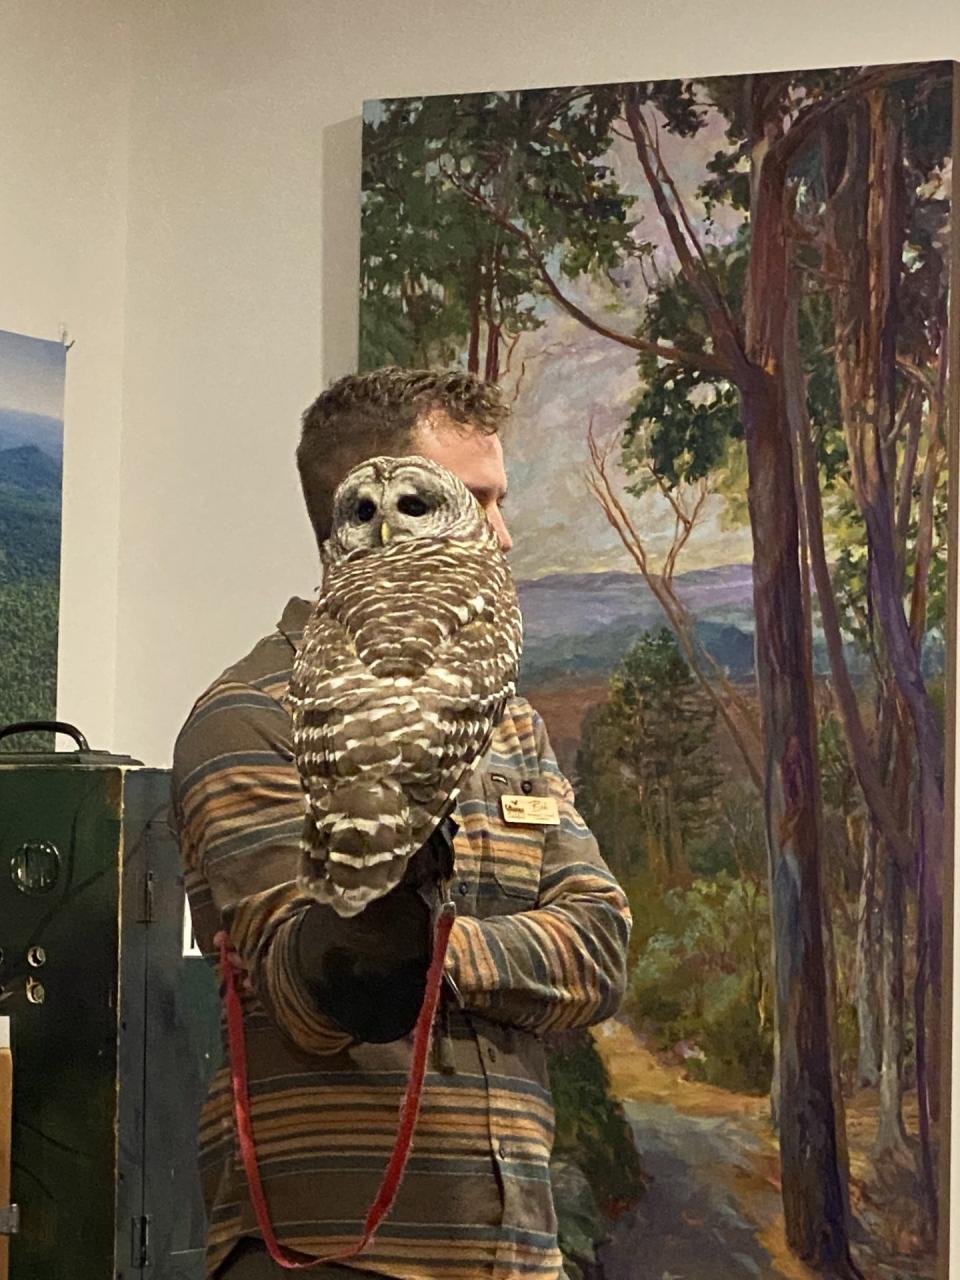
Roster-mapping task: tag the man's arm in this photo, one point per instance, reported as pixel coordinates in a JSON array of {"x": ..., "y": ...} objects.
[
  {"x": 239, "y": 810},
  {"x": 562, "y": 964}
]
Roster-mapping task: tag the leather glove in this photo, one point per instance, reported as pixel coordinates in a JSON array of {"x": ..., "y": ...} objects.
[{"x": 368, "y": 972}]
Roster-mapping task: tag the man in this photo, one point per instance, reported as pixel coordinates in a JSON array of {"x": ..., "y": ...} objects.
[{"x": 539, "y": 942}]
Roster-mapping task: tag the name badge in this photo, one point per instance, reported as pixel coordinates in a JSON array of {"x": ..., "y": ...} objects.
[{"x": 539, "y": 811}]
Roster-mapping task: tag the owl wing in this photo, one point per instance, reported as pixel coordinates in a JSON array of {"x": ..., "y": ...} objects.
[
  {"x": 385, "y": 731},
  {"x": 348, "y": 728},
  {"x": 464, "y": 691}
]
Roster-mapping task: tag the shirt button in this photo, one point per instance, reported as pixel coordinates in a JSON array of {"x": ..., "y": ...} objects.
[
  {"x": 502, "y": 1151},
  {"x": 526, "y": 786},
  {"x": 492, "y": 1053},
  {"x": 463, "y": 887}
]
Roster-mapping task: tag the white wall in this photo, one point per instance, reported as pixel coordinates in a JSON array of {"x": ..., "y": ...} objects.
[
  {"x": 242, "y": 266},
  {"x": 64, "y": 115}
]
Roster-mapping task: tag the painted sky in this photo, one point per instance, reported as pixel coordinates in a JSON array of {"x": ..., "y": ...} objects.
[
  {"x": 563, "y": 376},
  {"x": 31, "y": 392},
  {"x": 31, "y": 374},
  {"x": 573, "y": 376}
]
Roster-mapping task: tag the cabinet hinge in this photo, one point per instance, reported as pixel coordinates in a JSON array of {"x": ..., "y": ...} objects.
[
  {"x": 146, "y": 900},
  {"x": 140, "y": 1241}
]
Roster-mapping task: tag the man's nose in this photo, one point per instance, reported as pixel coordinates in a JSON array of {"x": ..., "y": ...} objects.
[{"x": 495, "y": 516}]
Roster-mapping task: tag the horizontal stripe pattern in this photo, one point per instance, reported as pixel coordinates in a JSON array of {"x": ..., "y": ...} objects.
[{"x": 539, "y": 944}]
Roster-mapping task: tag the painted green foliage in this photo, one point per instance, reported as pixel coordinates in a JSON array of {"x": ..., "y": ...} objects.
[
  {"x": 436, "y": 266},
  {"x": 652, "y": 742}
]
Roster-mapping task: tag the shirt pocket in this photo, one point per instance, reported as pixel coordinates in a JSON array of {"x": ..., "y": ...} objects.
[{"x": 512, "y": 853}]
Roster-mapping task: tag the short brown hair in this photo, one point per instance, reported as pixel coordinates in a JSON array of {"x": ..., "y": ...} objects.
[{"x": 367, "y": 414}]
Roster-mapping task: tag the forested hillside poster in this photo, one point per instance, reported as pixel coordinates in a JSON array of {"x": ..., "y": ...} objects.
[
  {"x": 31, "y": 466},
  {"x": 719, "y": 311}
]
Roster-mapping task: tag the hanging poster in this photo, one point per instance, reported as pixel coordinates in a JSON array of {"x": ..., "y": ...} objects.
[{"x": 31, "y": 468}]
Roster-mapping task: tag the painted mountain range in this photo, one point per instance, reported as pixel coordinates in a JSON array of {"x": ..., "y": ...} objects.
[
  {"x": 29, "y": 515},
  {"x": 578, "y": 626},
  {"x": 18, "y": 428},
  {"x": 581, "y": 624}
]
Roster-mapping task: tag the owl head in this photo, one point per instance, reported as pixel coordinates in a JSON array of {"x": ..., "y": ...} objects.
[{"x": 386, "y": 500}]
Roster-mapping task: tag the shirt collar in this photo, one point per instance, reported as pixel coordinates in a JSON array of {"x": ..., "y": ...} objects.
[{"x": 293, "y": 620}]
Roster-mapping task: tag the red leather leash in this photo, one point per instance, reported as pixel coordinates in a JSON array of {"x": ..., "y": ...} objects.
[{"x": 292, "y": 1260}]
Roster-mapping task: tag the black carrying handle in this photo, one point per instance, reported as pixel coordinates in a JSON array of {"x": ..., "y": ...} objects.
[{"x": 46, "y": 726}]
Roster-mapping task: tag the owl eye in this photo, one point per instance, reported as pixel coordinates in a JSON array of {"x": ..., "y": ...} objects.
[
  {"x": 411, "y": 505},
  {"x": 366, "y": 510}
]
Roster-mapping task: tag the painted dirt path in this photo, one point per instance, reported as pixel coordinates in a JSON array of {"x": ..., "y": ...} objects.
[{"x": 712, "y": 1209}]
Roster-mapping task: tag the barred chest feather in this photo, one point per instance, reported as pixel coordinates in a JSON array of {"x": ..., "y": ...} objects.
[{"x": 406, "y": 664}]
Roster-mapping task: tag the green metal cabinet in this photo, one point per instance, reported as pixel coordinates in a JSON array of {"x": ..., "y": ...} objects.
[{"x": 114, "y": 1024}]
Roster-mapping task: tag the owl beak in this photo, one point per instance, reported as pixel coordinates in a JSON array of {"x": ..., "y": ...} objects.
[{"x": 385, "y": 534}]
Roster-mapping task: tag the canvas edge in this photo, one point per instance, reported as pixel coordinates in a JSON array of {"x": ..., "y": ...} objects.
[
  {"x": 947, "y": 1138},
  {"x": 375, "y": 99}
]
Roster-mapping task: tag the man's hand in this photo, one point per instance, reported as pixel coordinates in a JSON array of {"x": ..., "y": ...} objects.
[{"x": 368, "y": 972}]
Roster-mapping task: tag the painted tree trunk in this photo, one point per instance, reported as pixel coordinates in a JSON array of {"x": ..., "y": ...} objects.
[
  {"x": 865, "y": 223},
  {"x": 814, "y": 1194},
  {"x": 891, "y": 1135},
  {"x": 813, "y": 1182},
  {"x": 775, "y": 1072},
  {"x": 867, "y": 992},
  {"x": 473, "y": 341},
  {"x": 812, "y": 555},
  {"x": 491, "y": 371}
]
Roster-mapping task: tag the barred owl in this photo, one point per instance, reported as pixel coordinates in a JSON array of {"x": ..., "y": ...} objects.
[{"x": 406, "y": 662}]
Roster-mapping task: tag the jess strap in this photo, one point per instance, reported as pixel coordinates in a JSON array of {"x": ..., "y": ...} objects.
[{"x": 292, "y": 1259}]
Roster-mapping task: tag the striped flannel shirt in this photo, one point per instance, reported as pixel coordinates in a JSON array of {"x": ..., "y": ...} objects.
[{"x": 539, "y": 944}]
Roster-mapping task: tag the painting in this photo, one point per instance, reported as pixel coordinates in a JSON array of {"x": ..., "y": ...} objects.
[
  {"x": 719, "y": 310},
  {"x": 32, "y": 373}
]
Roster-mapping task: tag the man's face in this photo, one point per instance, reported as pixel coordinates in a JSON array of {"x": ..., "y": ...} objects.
[{"x": 473, "y": 457}]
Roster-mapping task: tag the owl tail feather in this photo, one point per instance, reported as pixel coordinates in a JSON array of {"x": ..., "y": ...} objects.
[{"x": 357, "y": 850}]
